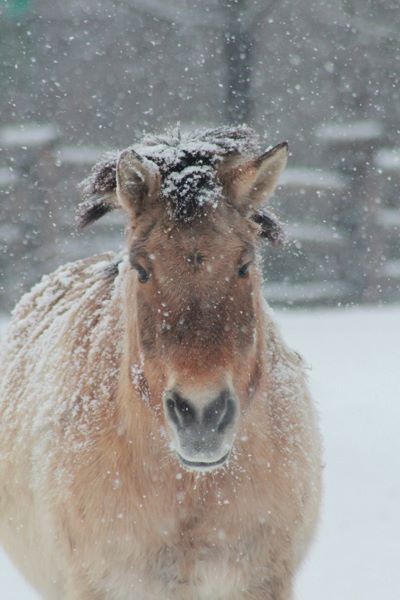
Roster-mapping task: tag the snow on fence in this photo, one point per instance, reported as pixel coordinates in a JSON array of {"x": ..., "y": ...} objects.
[
  {"x": 388, "y": 159},
  {"x": 317, "y": 179},
  {"x": 7, "y": 177},
  {"x": 28, "y": 136},
  {"x": 342, "y": 232},
  {"x": 352, "y": 132},
  {"x": 78, "y": 155}
]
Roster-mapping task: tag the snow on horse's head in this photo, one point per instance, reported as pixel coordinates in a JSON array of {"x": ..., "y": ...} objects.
[{"x": 194, "y": 208}]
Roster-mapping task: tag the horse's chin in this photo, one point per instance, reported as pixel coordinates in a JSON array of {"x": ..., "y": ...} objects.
[{"x": 204, "y": 466}]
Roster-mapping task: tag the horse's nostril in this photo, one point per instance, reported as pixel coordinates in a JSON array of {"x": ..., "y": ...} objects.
[
  {"x": 228, "y": 416},
  {"x": 171, "y": 411},
  {"x": 179, "y": 410},
  {"x": 182, "y": 406},
  {"x": 219, "y": 413}
]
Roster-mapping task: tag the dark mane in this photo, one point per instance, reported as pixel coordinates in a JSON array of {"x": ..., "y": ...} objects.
[
  {"x": 187, "y": 162},
  {"x": 188, "y": 166},
  {"x": 175, "y": 151}
]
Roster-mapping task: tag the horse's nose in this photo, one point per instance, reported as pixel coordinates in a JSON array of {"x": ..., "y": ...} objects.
[
  {"x": 219, "y": 413},
  {"x": 180, "y": 411},
  {"x": 215, "y": 416},
  {"x": 203, "y": 429}
]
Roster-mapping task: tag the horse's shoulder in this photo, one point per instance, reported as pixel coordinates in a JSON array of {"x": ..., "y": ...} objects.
[
  {"x": 60, "y": 362},
  {"x": 63, "y": 304}
]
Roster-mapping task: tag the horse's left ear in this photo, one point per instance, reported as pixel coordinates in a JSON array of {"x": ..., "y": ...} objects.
[{"x": 251, "y": 183}]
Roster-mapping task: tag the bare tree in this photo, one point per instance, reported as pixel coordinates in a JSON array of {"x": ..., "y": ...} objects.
[
  {"x": 242, "y": 19},
  {"x": 238, "y": 22}
]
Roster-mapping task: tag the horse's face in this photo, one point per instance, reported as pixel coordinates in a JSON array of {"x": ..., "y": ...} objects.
[
  {"x": 196, "y": 292},
  {"x": 194, "y": 289}
]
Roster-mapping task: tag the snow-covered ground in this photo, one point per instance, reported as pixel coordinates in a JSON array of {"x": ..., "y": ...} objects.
[{"x": 354, "y": 357}]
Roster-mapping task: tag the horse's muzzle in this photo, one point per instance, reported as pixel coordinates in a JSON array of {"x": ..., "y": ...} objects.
[{"x": 202, "y": 432}]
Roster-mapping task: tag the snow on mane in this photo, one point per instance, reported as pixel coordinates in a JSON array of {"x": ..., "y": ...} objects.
[{"x": 187, "y": 162}]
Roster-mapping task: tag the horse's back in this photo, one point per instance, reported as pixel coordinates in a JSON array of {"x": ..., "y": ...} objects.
[
  {"x": 44, "y": 349},
  {"x": 45, "y": 324}
]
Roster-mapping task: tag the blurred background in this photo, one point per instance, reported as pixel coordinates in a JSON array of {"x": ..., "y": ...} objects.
[{"x": 79, "y": 78}]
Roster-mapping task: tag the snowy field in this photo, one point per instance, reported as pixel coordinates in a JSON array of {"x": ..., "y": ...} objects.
[{"x": 354, "y": 358}]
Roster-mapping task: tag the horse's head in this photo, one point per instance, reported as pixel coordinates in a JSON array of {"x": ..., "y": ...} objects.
[{"x": 193, "y": 294}]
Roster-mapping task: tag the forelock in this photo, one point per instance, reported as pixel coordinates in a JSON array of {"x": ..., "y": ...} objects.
[{"x": 188, "y": 165}]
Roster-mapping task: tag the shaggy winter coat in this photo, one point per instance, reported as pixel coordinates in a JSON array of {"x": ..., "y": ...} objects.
[{"x": 94, "y": 504}]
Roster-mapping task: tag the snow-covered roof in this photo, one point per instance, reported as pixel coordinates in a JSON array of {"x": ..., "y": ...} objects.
[
  {"x": 352, "y": 131},
  {"x": 78, "y": 155},
  {"x": 33, "y": 134},
  {"x": 7, "y": 177},
  {"x": 388, "y": 159},
  {"x": 312, "y": 178}
]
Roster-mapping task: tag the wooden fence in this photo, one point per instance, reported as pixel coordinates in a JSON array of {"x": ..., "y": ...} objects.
[{"x": 343, "y": 223}]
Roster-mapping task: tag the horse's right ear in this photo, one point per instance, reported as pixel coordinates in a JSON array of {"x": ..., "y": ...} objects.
[
  {"x": 120, "y": 181},
  {"x": 138, "y": 180}
]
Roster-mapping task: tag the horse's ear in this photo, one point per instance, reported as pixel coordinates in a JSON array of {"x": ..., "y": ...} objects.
[
  {"x": 138, "y": 179},
  {"x": 123, "y": 181},
  {"x": 251, "y": 183}
]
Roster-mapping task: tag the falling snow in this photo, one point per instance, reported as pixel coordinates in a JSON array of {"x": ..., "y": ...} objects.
[{"x": 184, "y": 84}]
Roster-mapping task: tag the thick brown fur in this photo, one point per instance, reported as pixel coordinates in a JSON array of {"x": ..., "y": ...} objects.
[{"x": 94, "y": 504}]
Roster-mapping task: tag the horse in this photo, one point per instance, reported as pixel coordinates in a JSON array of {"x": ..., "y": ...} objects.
[{"x": 157, "y": 436}]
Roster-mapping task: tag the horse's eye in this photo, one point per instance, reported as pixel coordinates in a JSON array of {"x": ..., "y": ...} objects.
[
  {"x": 244, "y": 270},
  {"x": 143, "y": 275}
]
